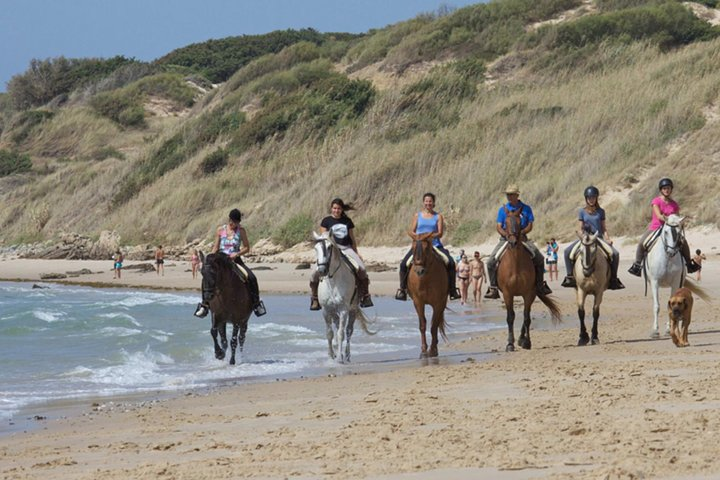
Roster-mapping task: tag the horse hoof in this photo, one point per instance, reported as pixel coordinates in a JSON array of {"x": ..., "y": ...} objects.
[
  {"x": 526, "y": 345},
  {"x": 595, "y": 341},
  {"x": 583, "y": 340},
  {"x": 510, "y": 348},
  {"x": 655, "y": 335},
  {"x": 433, "y": 353},
  {"x": 232, "y": 361}
]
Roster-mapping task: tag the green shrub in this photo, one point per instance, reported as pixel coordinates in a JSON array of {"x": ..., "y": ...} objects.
[
  {"x": 294, "y": 231},
  {"x": 26, "y": 121},
  {"x": 108, "y": 152},
  {"x": 170, "y": 86},
  {"x": 123, "y": 106},
  {"x": 214, "y": 162},
  {"x": 466, "y": 231},
  {"x": 13, "y": 162}
]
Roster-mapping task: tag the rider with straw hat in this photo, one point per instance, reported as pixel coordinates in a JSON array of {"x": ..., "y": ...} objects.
[{"x": 526, "y": 224}]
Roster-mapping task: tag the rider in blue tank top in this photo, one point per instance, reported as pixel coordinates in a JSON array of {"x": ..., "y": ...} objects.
[{"x": 428, "y": 221}]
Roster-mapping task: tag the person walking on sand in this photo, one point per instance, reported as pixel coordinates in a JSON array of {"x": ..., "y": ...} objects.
[
  {"x": 194, "y": 262},
  {"x": 527, "y": 219},
  {"x": 662, "y": 207},
  {"x": 117, "y": 265},
  {"x": 160, "y": 260},
  {"x": 477, "y": 273},
  {"x": 698, "y": 258},
  {"x": 342, "y": 228},
  {"x": 232, "y": 240},
  {"x": 463, "y": 274},
  {"x": 553, "y": 265},
  {"x": 428, "y": 221}
]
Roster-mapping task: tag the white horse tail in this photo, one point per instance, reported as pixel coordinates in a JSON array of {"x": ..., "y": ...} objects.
[
  {"x": 365, "y": 322},
  {"x": 697, "y": 289}
]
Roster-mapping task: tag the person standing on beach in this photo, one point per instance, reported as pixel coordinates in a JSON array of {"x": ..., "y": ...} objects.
[
  {"x": 477, "y": 271},
  {"x": 341, "y": 227},
  {"x": 160, "y": 260},
  {"x": 232, "y": 240},
  {"x": 194, "y": 262},
  {"x": 591, "y": 219},
  {"x": 428, "y": 221},
  {"x": 527, "y": 219},
  {"x": 463, "y": 274},
  {"x": 117, "y": 266},
  {"x": 662, "y": 207},
  {"x": 698, "y": 258}
]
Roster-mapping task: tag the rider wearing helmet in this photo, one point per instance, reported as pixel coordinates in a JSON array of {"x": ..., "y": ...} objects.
[
  {"x": 591, "y": 219},
  {"x": 662, "y": 207},
  {"x": 527, "y": 218}
]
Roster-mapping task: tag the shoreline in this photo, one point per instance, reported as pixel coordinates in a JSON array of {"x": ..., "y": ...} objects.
[{"x": 630, "y": 407}]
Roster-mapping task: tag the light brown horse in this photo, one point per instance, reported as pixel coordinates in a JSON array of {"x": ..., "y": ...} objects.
[
  {"x": 592, "y": 276},
  {"x": 516, "y": 278},
  {"x": 428, "y": 285}
]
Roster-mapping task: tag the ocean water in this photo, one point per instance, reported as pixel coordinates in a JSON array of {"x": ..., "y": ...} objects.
[{"x": 66, "y": 342}]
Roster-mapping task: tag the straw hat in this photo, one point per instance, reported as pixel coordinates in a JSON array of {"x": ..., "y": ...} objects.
[{"x": 512, "y": 188}]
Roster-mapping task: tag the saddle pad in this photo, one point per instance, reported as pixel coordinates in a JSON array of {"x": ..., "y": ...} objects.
[
  {"x": 241, "y": 271},
  {"x": 440, "y": 253},
  {"x": 351, "y": 262},
  {"x": 604, "y": 247},
  {"x": 652, "y": 238}
]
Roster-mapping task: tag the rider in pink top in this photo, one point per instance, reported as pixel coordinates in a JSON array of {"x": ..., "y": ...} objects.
[{"x": 662, "y": 207}]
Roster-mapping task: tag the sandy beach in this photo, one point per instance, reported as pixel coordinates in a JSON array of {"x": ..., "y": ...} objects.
[{"x": 628, "y": 408}]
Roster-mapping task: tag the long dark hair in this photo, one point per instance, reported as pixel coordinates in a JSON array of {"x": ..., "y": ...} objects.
[{"x": 345, "y": 206}]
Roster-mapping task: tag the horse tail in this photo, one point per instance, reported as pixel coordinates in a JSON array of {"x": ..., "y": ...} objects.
[
  {"x": 554, "y": 308},
  {"x": 365, "y": 322},
  {"x": 697, "y": 290}
]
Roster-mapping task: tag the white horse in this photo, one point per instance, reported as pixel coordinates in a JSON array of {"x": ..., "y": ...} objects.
[
  {"x": 664, "y": 266},
  {"x": 337, "y": 294},
  {"x": 592, "y": 277}
]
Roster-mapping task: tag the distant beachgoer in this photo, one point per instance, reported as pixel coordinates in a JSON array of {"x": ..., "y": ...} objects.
[
  {"x": 160, "y": 260},
  {"x": 552, "y": 258},
  {"x": 194, "y": 262},
  {"x": 477, "y": 272},
  {"x": 463, "y": 274},
  {"x": 698, "y": 258},
  {"x": 117, "y": 266},
  {"x": 459, "y": 257}
]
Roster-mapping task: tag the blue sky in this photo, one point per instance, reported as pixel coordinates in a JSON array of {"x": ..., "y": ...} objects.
[{"x": 148, "y": 29}]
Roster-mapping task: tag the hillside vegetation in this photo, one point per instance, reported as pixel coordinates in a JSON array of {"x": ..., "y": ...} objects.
[{"x": 553, "y": 95}]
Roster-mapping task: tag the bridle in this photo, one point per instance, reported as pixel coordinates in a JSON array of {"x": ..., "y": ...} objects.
[
  {"x": 324, "y": 258},
  {"x": 589, "y": 253},
  {"x": 676, "y": 232}
]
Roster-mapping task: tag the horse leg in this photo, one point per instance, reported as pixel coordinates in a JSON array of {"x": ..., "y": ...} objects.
[
  {"x": 420, "y": 309},
  {"x": 510, "y": 323},
  {"x": 329, "y": 334},
  {"x": 234, "y": 343},
  {"x": 584, "y": 337},
  {"x": 241, "y": 337},
  {"x": 596, "y": 316},
  {"x": 656, "y": 309},
  {"x": 341, "y": 336},
  {"x": 436, "y": 319},
  {"x": 219, "y": 351},
  {"x": 524, "y": 340},
  {"x": 348, "y": 334}
]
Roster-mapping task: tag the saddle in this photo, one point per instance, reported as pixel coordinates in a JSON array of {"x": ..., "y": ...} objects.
[
  {"x": 501, "y": 251},
  {"x": 240, "y": 271},
  {"x": 604, "y": 247},
  {"x": 440, "y": 253},
  {"x": 350, "y": 262}
]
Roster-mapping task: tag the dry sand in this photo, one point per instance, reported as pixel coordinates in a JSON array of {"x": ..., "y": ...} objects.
[{"x": 630, "y": 407}]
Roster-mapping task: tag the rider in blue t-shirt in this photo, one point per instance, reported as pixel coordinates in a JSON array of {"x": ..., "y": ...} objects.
[{"x": 526, "y": 224}]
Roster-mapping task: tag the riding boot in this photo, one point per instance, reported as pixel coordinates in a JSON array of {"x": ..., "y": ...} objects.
[
  {"x": 203, "y": 308},
  {"x": 636, "y": 267},
  {"x": 569, "y": 282},
  {"x": 690, "y": 264},
  {"x": 453, "y": 291},
  {"x": 363, "y": 288},
  {"x": 541, "y": 286},
  {"x": 401, "y": 294},
  {"x": 258, "y": 305},
  {"x": 492, "y": 291},
  {"x": 615, "y": 283},
  {"x": 314, "y": 284}
]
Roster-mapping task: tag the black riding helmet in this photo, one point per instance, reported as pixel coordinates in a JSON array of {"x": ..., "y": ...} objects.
[
  {"x": 665, "y": 182},
  {"x": 592, "y": 191}
]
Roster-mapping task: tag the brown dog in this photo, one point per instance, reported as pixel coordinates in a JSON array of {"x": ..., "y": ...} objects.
[{"x": 680, "y": 311}]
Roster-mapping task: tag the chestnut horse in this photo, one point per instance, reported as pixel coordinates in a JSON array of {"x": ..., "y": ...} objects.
[
  {"x": 229, "y": 302},
  {"x": 428, "y": 285},
  {"x": 516, "y": 278}
]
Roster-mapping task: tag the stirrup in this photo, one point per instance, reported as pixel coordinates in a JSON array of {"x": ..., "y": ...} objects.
[
  {"x": 401, "y": 294},
  {"x": 366, "y": 301},
  {"x": 201, "y": 311},
  {"x": 635, "y": 269},
  {"x": 544, "y": 289},
  {"x": 492, "y": 292},
  {"x": 692, "y": 267},
  {"x": 569, "y": 282},
  {"x": 259, "y": 309},
  {"x": 314, "y": 303}
]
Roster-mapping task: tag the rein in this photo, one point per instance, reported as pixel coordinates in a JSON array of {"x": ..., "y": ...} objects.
[{"x": 672, "y": 250}]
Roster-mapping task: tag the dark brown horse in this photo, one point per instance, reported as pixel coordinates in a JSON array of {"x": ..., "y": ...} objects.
[
  {"x": 229, "y": 300},
  {"x": 516, "y": 278},
  {"x": 428, "y": 285}
]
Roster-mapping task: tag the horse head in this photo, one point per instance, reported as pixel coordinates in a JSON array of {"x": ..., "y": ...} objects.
[
  {"x": 672, "y": 234},
  {"x": 422, "y": 249},
  {"x": 512, "y": 227},
  {"x": 588, "y": 252},
  {"x": 323, "y": 252}
]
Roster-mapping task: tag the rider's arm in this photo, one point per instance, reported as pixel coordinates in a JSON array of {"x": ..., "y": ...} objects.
[
  {"x": 606, "y": 234},
  {"x": 245, "y": 248},
  {"x": 413, "y": 225},
  {"x": 658, "y": 214},
  {"x": 527, "y": 229},
  {"x": 441, "y": 226},
  {"x": 580, "y": 227},
  {"x": 351, "y": 233},
  {"x": 216, "y": 244},
  {"x": 500, "y": 230}
]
